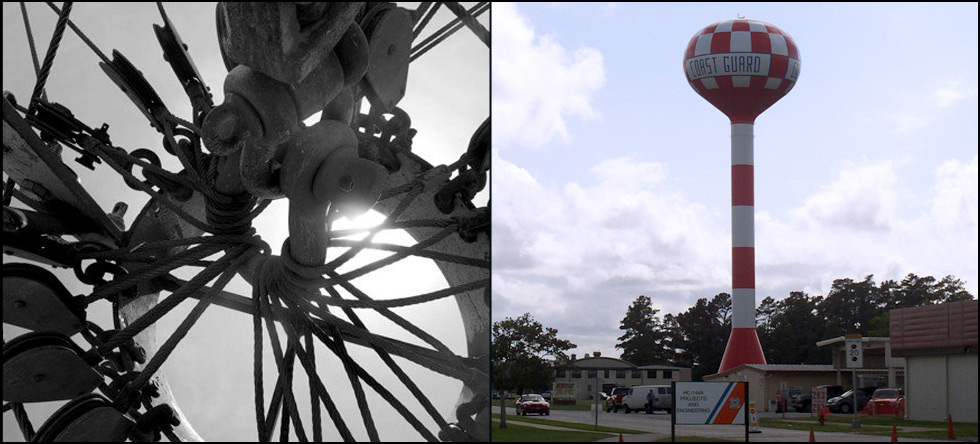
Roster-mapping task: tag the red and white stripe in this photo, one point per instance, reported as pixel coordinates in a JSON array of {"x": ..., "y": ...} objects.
[{"x": 743, "y": 344}]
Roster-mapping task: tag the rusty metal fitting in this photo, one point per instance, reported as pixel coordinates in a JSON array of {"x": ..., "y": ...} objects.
[
  {"x": 281, "y": 39},
  {"x": 321, "y": 172},
  {"x": 270, "y": 100},
  {"x": 229, "y": 126},
  {"x": 352, "y": 185}
]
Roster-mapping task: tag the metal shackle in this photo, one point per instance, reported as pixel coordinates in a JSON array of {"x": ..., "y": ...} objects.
[{"x": 322, "y": 172}]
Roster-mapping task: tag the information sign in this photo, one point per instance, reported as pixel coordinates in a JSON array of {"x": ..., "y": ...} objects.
[{"x": 710, "y": 403}]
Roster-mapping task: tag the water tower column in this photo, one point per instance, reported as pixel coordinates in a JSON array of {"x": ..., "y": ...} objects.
[{"x": 743, "y": 344}]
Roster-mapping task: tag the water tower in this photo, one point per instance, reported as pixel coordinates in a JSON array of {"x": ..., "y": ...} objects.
[{"x": 742, "y": 67}]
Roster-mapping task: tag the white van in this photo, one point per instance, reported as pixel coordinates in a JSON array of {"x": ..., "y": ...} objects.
[{"x": 636, "y": 399}]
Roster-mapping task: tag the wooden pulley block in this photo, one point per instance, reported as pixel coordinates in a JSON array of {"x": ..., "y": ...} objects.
[
  {"x": 45, "y": 366},
  {"x": 33, "y": 298},
  {"x": 88, "y": 418}
]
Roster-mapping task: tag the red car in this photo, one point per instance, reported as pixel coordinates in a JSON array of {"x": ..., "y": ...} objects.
[
  {"x": 886, "y": 401},
  {"x": 533, "y": 404}
]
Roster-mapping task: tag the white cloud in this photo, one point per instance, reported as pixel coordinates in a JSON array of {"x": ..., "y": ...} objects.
[
  {"x": 951, "y": 92},
  {"x": 587, "y": 249},
  {"x": 861, "y": 198},
  {"x": 627, "y": 227},
  {"x": 954, "y": 207},
  {"x": 537, "y": 84}
]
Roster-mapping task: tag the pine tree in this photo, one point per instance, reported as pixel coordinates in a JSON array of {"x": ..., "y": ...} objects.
[{"x": 644, "y": 342}]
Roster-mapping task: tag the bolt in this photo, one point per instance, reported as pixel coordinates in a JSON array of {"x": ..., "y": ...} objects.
[{"x": 346, "y": 183}]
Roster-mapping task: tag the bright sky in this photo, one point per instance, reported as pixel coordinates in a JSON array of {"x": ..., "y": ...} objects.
[
  {"x": 447, "y": 99},
  {"x": 612, "y": 176}
]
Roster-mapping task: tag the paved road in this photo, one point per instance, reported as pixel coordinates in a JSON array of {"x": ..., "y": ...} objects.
[{"x": 658, "y": 426}]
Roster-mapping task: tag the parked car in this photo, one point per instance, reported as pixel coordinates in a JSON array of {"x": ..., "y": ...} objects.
[
  {"x": 636, "y": 398},
  {"x": 802, "y": 402},
  {"x": 533, "y": 403},
  {"x": 845, "y": 402},
  {"x": 887, "y": 401},
  {"x": 787, "y": 399},
  {"x": 615, "y": 400}
]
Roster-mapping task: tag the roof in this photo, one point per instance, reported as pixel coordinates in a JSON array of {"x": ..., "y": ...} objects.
[
  {"x": 935, "y": 329},
  {"x": 658, "y": 367},
  {"x": 792, "y": 367},
  {"x": 601, "y": 362},
  {"x": 778, "y": 368},
  {"x": 864, "y": 340}
]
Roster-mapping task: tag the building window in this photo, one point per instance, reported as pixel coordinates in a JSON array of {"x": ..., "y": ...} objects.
[
  {"x": 620, "y": 374},
  {"x": 559, "y": 373},
  {"x": 576, "y": 374},
  {"x": 668, "y": 374},
  {"x": 593, "y": 374},
  {"x": 636, "y": 374},
  {"x": 652, "y": 374},
  {"x": 607, "y": 374}
]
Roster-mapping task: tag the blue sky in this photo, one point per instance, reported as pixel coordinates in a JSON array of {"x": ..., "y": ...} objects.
[
  {"x": 612, "y": 176},
  {"x": 447, "y": 99}
]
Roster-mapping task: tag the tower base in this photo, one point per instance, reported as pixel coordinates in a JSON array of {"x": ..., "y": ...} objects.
[{"x": 743, "y": 348}]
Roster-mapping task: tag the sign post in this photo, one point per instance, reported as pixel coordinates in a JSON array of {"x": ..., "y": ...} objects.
[
  {"x": 854, "y": 355},
  {"x": 710, "y": 403},
  {"x": 596, "y": 403}
]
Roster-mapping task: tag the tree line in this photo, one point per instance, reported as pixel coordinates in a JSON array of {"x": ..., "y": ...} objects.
[
  {"x": 525, "y": 353},
  {"x": 788, "y": 329}
]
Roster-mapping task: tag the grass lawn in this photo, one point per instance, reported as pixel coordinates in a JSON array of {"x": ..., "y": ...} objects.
[
  {"x": 842, "y": 424},
  {"x": 697, "y": 439},
  {"x": 570, "y": 425},
  {"x": 516, "y": 433}
]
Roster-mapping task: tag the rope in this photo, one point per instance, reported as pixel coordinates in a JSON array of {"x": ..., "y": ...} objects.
[
  {"x": 161, "y": 267},
  {"x": 42, "y": 76},
  {"x": 317, "y": 421},
  {"x": 82, "y": 35},
  {"x": 30, "y": 39},
  {"x": 23, "y": 421},
  {"x": 155, "y": 313},
  {"x": 434, "y": 255},
  {"x": 240, "y": 257},
  {"x": 367, "y": 378},
  {"x": 446, "y": 31},
  {"x": 428, "y": 13},
  {"x": 402, "y": 376},
  {"x": 292, "y": 342},
  {"x": 404, "y": 302},
  {"x": 475, "y": 26},
  {"x": 257, "y": 364}
]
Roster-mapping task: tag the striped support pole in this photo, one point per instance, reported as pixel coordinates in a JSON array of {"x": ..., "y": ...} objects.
[{"x": 743, "y": 344}]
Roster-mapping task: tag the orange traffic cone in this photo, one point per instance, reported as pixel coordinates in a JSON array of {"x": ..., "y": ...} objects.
[
  {"x": 950, "y": 434},
  {"x": 894, "y": 433},
  {"x": 620, "y": 437},
  {"x": 811, "y": 435}
]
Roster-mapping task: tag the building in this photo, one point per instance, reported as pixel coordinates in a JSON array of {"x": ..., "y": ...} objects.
[
  {"x": 939, "y": 344},
  {"x": 766, "y": 379},
  {"x": 881, "y": 368},
  {"x": 607, "y": 373}
]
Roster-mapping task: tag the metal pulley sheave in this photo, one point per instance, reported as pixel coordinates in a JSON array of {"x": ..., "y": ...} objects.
[
  {"x": 33, "y": 298},
  {"x": 89, "y": 418},
  {"x": 46, "y": 366}
]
